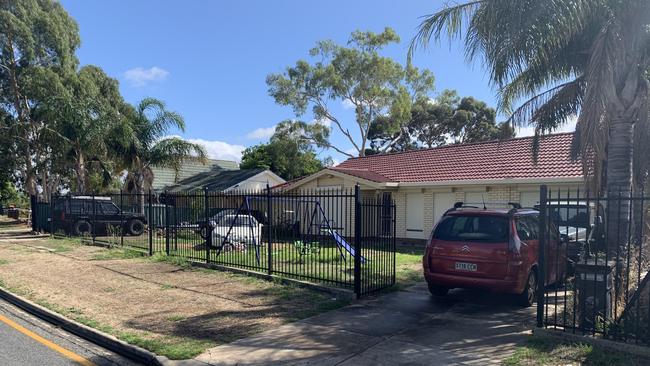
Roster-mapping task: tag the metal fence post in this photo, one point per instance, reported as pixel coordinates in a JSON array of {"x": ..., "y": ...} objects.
[
  {"x": 94, "y": 218},
  {"x": 121, "y": 219},
  {"x": 269, "y": 229},
  {"x": 51, "y": 206},
  {"x": 541, "y": 267},
  {"x": 166, "y": 225},
  {"x": 208, "y": 228},
  {"x": 151, "y": 224},
  {"x": 33, "y": 203},
  {"x": 357, "y": 240}
]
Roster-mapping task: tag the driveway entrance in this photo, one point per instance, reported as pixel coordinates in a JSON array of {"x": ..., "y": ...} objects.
[{"x": 402, "y": 328}]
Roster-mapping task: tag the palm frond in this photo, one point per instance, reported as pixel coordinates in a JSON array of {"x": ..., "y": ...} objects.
[
  {"x": 172, "y": 152},
  {"x": 531, "y": 34},
  {"x": 550, "y": 109},
  {"x": 450, "y": 19}
]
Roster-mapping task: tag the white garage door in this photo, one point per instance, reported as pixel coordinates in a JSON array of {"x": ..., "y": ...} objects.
[
  {"x": 414, "y": 215},
  {"x": 476, "y": 198},
  {"x": 529, "y": 199},
  {"x": 441, "y": 203}
]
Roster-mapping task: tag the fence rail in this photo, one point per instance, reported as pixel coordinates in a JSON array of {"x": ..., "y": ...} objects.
[
  {"x": 606, "y": 289},
  {"x": 338, "y": 237}
]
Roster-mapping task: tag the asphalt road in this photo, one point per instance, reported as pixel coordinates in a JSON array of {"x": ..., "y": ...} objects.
[{"x": 27, "y": 340}]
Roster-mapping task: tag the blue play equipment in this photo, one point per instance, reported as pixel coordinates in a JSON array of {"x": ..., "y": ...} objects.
[
  {"x": 340, "y": 241},
  {"x": 315, "y": 218}
]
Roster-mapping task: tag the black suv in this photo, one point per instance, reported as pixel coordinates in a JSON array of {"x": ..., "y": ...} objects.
[{"x": 78, "y": 216}]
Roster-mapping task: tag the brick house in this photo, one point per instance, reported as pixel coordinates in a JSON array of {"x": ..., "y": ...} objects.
[{"x": 425, "y": 183}]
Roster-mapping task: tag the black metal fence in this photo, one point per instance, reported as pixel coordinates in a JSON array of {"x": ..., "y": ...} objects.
[
  {"x": 344, "y": 238},
  {"x": 603, "y": 287}
]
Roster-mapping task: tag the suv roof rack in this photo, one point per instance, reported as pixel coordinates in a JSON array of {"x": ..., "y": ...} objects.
[{"x": 514, "y": 207}]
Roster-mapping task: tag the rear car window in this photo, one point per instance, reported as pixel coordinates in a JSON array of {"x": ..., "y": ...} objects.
[{"x": 478, "y": 228}]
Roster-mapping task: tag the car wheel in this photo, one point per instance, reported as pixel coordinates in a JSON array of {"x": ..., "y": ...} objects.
[
  {"x": 81, "y": 228},
  {"x": 438, "y": 290},
  {"x": 529, "y": 295},
  {"x": 135, "y": 227}
]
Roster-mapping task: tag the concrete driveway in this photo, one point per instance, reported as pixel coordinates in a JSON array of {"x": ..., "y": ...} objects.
[{"x": 402, "y": 328}]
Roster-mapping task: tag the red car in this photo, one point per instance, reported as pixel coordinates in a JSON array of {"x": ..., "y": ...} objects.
[{"x": 492, "y": 249}]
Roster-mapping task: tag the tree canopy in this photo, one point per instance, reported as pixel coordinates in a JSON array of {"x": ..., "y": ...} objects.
[
  {"x": 375, "y": 86},
  {"x": 65, "y": 126},
  {"x": 37, "y": 49},
  {"x": 446, "y": 119},
  {"x": 286, "y": 154}
]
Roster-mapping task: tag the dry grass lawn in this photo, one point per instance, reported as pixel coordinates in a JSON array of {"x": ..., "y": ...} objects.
[{"x": 166, "y": 307}]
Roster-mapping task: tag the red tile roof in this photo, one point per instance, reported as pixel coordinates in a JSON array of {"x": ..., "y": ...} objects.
[{"x": 492, "y": 160}]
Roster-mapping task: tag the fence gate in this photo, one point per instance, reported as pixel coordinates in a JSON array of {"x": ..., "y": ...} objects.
[{"x": 602, "y": 286}]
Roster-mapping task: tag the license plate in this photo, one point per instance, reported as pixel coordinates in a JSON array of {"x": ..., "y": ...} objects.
[{"x": 462, "y": 266}]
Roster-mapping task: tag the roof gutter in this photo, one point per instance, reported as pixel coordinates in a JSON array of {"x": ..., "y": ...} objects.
[{"x": 494, "y": 181}]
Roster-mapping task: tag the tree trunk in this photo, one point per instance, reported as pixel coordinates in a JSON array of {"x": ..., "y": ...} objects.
[
  {"x": 619, "y": 182},
  {"x": 80, "y": 171},
  {"x": 139, "y": 187}
]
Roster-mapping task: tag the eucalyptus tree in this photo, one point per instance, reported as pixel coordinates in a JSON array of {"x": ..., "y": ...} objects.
[
  {"x": 357, "y": 76},
  {"x": 446, "y": 119},
  {"x": 150, "y": 145},
  {"x": 563, "y": 58},
  {"x": 88, "y": 120},
  {"x": 37, "y": 44}
]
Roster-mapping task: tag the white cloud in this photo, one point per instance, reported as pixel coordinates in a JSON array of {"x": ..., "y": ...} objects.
[
  {"x": 140, "y": 77},
  {"x": 347, "y": 104},
  {"x": 261, "y": 133},
  {"x": 569, "y": 126},
  {"x": 352, "y": 151},
  {"x": 323, "y": 121},
  {"x": 219, "y": 149}
]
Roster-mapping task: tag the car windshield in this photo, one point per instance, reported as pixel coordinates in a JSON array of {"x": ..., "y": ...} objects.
[
  {"x": 575, "y": 215},
  {"x": 472, "y": 228}
]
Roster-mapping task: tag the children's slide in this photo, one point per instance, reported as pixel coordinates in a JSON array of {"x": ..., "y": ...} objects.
[{"x": 344, "y": 244}]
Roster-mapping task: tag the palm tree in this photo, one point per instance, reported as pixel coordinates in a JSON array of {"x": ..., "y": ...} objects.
[
  {"x": 149, "y": 146},
  {"x": 567, "y": 57}
]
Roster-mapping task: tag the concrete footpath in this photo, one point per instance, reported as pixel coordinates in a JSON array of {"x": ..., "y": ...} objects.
[{"x": 402, "y": 328}]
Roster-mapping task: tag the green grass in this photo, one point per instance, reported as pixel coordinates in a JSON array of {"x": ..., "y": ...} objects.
[
  {"x": 176, "y": 318},
  {"x": 549, "y": 352},
  {"x": 408, "y": 267},
  {"x": 3, "y": 261},
  {"x": 118, "y": 253}
]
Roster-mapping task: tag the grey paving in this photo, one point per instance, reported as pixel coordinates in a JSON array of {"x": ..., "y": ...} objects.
[
  {"x": 403, "y": 328},
  {"x": 17, "y": 349}
]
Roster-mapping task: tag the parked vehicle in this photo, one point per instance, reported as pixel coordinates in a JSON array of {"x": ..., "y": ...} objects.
[
  {"x": 236, "y": 231},
  {"x": 577, "y": 223},
  {"x": 83, "y": 215},
  {"x": 492, "y": 249},
  {"x": 202, "y": 229}
]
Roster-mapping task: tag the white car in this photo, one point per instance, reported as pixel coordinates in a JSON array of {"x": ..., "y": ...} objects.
[{"x": 238, "y": 230}]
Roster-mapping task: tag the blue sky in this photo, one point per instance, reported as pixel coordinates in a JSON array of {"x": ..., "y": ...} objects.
[{"x": 208, "y": 60}]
